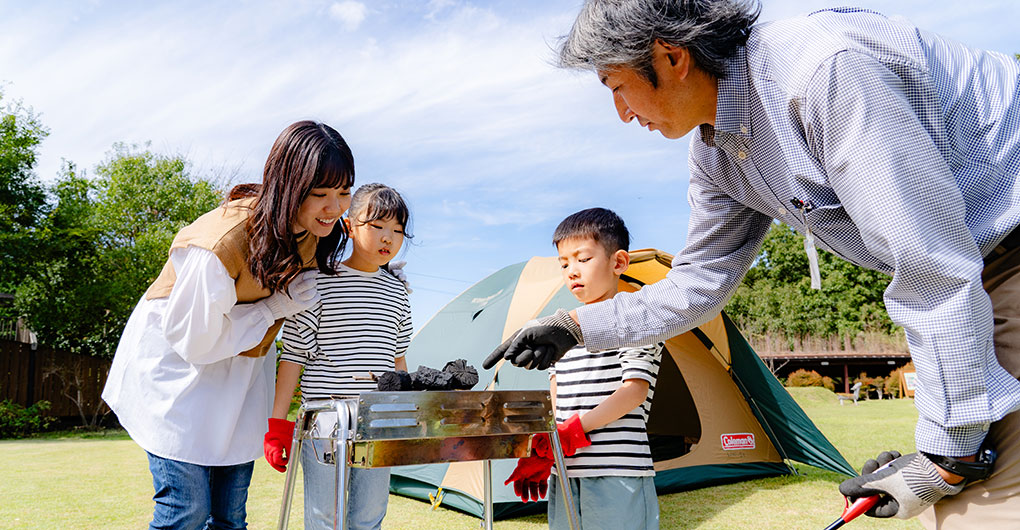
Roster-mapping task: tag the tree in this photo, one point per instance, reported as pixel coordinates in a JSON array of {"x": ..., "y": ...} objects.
[
  {"x": 22, "y": 197},
  {"x": 105, "y": 241},
  {"x": 776, "y": 298}
]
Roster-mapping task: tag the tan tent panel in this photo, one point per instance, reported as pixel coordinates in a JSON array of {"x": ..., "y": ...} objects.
[
  {"x": 539, "y": 281},
  {"x": 716, "y": 417},
  {"x": 710, "y": 388}
]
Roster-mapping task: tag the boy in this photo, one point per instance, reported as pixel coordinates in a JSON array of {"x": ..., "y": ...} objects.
[{"x": 602, "y": 399}]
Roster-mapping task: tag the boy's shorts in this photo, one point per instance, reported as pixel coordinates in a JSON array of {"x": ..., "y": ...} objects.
[{"x": 609, "y": 503}]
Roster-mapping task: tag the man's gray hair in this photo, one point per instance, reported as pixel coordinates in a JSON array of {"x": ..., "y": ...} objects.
[{"x": 611, "y": 33}]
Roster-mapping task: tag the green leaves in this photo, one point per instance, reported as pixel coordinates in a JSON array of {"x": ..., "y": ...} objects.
[
  {"x": 775, "y": 297},
  {"x": 102, "y": 242},
  {"x": 22, "y": 197}
]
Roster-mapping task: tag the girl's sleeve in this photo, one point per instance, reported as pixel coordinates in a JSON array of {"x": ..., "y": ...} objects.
[
  {"x": 300, "y": 336},
  {"x": 404, "y": 331},
  {"x": 203, "y": 322}
]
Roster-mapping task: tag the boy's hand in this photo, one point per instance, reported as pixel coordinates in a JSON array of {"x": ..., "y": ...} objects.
[
  {"x": 540, "y": 345},
  {"x": 276, "y": 443},
  {"x": 572, "y": 438},
  {"x": 531, "y": 478}
]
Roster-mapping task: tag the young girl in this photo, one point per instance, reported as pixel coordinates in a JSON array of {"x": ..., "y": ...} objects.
[
  {"x": 362, "y": 325},
  {"x": 193, "y": 374}
]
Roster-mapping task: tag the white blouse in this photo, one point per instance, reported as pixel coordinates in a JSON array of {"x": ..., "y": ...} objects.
[{"x": 177, "y": 383}]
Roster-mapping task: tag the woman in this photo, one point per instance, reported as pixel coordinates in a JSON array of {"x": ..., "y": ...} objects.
[{"x": 192, "y": 379}]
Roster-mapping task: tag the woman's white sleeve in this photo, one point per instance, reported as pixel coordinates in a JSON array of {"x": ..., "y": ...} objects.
[{"x": 203, "y": 321}]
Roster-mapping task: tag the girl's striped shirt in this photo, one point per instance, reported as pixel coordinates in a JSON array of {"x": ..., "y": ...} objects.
[{"x": 362, "y": 324}]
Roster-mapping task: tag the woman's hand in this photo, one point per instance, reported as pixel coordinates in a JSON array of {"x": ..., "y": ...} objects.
[{"x": 301, "y": 295}]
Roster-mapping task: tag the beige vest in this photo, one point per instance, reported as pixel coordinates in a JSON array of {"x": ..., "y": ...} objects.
[{"x": 223, "y": 232}]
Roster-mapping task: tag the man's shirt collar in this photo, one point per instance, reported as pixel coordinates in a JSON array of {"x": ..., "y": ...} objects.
[{"x": 732, "y": 113}]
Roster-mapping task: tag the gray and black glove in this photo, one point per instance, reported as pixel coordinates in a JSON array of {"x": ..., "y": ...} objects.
[
  {"x": 540, "y": 343},
  {"x": 396, "y": 268},
  {"x": 908, "y": 484}
]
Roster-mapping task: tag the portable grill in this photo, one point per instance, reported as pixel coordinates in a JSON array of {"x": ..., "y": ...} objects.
[{"x": 382, "y": 429}]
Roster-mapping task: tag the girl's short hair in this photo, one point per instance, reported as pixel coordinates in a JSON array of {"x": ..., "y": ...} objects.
[
  {"x": 306, "y": 155},
  {"x": 375, "y": 201}
]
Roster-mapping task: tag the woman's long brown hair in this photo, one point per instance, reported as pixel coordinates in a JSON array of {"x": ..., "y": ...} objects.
[{"x": 306, "y": 155}]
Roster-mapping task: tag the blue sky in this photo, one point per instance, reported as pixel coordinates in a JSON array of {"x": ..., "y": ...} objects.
[{"x": 454, "y": 103}]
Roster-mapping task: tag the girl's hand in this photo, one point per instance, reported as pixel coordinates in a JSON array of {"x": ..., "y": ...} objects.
[{"x": 276, "y": 443}]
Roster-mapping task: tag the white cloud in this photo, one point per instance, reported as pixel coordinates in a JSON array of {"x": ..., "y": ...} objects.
[
  {"x": 349, "y": 12},
  {"x": 436, "y": 6},
  {"x": 457, "y": 105}
]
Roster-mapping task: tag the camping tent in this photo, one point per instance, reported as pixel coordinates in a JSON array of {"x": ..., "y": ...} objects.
[{"x": 718, "y": 414}]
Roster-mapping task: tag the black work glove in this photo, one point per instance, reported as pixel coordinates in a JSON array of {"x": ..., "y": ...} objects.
[
  {"x": 909, "y": 484},
  {"x": 540, "y": 343}
]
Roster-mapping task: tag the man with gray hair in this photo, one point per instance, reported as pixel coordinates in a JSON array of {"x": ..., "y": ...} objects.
[{"x": 891, "y": 147}]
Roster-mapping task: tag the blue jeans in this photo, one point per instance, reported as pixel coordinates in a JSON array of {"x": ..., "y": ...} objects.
[
  {"x": 194, "y": 497},
  {"x": 367, "y": 494}
]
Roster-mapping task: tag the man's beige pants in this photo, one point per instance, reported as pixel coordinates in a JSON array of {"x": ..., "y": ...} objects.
[{"x": 994, "y": 503}]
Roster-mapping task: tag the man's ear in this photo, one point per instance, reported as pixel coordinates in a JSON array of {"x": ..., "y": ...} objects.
[
  {"x": 621, "y": 261},
  {"x": 347, "y": 225},
  {"x": 676, "y": 58}
]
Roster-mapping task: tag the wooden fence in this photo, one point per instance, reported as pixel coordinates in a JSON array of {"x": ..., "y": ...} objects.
[{"x": 27, "y": 376}]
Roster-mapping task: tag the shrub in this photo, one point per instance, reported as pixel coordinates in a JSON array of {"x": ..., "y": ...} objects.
[
  {"x": 864, "y": 380},
  {"x": 804, "y": 377},
  {"x": 892, "y": 383},
  {"x": 878, "y": 383},
  {"x": 827, "y": 382},
  {"x": 17, "y": 421}
]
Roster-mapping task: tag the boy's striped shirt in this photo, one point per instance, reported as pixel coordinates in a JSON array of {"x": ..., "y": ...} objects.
[
  {"x": 362, "y": 323},
  {"x": 583, "y": 381}
]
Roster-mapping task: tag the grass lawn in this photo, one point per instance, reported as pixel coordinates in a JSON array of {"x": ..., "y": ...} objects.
[{"x": 102, "y": 481}]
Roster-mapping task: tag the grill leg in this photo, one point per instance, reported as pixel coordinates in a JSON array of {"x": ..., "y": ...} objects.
[
  {"x": 561, "y": 471},
  {"x": 300, "y": 429},
  {"x": 345, "y": 422},
  {"x": 487, "y": 487}
]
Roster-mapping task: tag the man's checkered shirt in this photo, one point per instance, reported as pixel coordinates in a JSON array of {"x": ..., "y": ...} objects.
[{"x": 905, "y": 148}]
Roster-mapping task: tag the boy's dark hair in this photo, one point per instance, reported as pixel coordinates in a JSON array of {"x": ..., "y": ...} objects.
[{"x": 599, "y": 224}]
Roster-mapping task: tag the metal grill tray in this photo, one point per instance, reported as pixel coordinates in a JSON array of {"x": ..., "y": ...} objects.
[{"x": 399, "y": 428}]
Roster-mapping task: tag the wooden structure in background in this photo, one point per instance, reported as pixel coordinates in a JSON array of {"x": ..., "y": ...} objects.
[{"x": 24, "y": 377}]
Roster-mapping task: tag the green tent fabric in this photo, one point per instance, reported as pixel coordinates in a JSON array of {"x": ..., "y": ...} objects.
[
  {"x": 793, "y": 433},
  {"x": 711, "y": 387}
]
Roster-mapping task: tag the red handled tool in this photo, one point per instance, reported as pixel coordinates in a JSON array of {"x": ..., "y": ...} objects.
[{"x": 850, "y": 511}]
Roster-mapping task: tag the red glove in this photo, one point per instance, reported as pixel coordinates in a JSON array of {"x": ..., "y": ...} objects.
[
  {"x": 572, "y": 438},
  {"x": 276, "y": 443},
  {"x": 531, "y": 478}
]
